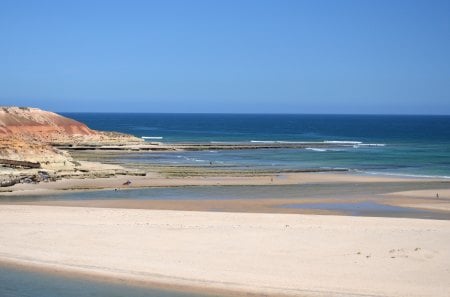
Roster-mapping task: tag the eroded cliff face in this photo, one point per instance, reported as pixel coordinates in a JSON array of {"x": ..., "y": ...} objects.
[
  {"x": 30, "y": 141},
  {"x": 17, "y": 148},
  {"x": 31, "y": 134},
  {"x": 40, "y": 123}
]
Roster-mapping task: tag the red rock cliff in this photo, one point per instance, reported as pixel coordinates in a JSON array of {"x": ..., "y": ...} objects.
[
  {"x": 29, "y": 134},
  {"x": 37, "y": 122}
]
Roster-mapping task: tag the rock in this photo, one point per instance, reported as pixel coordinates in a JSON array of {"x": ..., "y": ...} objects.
[
  {"x": 33, "y": 135},
  {"x": 30, "y": 137}
]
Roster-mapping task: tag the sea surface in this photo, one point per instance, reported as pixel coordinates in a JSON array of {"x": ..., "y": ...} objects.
[{"x": 383, "y": 144}]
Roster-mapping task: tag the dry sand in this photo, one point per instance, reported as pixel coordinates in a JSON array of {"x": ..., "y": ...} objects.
[
  {"x": 442, "y": 194},
  {"x": 424, "y": 199},
  {"x": 299, "y": 255}
]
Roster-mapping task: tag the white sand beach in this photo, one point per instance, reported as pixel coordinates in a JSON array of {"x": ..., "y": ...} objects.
[{"x": 273, "y": 254}]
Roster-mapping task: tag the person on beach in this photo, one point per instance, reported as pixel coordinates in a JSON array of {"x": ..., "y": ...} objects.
[{"x": 437, "y": 195}]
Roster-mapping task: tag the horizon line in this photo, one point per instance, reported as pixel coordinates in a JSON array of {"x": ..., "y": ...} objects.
[{"x": 256, "y": 113}]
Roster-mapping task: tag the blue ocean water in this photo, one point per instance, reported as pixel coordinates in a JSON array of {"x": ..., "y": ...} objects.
[{"x": 405, "y": 145}]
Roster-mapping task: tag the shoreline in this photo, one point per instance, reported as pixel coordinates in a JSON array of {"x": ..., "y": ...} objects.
[
  {"x": 204, "y": 146},
  {"x": 154, "y": 179},
  {"x": 235, "y": 251},
  {"x": 98, "y": 277},
  {"x": 416, "y": 198},
  {"x": 410, "y": 208}
]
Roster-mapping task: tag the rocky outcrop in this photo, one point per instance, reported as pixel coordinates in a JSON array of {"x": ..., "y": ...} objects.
[
  {"x": 33, "y": 124},
  {"x": 31, "y": 141},
  {"x": 15, "y": 147},
  {"x": 34, "y": 121},
  {"x": 32, "y": 135}
]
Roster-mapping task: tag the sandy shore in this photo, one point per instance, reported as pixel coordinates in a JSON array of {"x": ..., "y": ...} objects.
[
  {"x": 275, "y": 254},
  {"x": 156, "y": 180},
  {"x": 312, "y": 188},
  {"x": 423, "y": 199}
]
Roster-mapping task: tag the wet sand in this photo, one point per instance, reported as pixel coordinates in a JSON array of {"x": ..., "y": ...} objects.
[
  {"x": 274, "y": 254},
  {"x": 288, "y": 193},
  {"x": 157, "y": 180},
  {"x": 405, "y": 208},
  {"x": 265, "y": 240}
]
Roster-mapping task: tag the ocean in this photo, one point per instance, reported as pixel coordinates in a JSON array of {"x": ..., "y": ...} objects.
[{"x": 383, "y": 144}]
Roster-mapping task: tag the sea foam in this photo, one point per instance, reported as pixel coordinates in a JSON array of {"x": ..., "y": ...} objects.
[{"x": 152, "y": 137}]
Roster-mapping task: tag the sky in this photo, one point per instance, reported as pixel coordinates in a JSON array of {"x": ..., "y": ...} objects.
[{"x": 358, "y": 57}]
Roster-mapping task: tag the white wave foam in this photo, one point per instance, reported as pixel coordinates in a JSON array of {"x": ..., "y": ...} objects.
[
  {"x": 353, "y": 143},
  {"x": 405, "y": 174},
  {"x": 284, "y": 142},
  {"x": 152, "y": 137},
  {"x": 337, "y": 142},
  {"x": 342, "y": 142},
  {"x": 316, "y": 149},
  {"x": 263, "y": 141},
  {"x": 297, "y": 142},
  {"x": 371, "y": 144}
]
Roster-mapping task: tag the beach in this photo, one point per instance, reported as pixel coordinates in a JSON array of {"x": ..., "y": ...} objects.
[
  {"x": 156, "y": 179},
  {"x": 341, "y": 217},
  {"x": 273, "y": 254},
  {"x": 276, "y": 193},
  {"x": 239, "y": 233},
  {"x": 225, "y": 149},
  {"x": 245, "y": 246}
]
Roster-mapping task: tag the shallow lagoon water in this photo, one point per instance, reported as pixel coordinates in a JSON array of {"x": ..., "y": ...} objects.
[
  {"x": 23, "y": 283},
  {"x": 338, "y": 190},
  {"x": 370, "y": 208},
  {"x": 345, "y": 193}
]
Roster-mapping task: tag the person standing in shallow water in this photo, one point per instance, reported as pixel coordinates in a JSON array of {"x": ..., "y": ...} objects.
[{"x": 437, "y": 195}]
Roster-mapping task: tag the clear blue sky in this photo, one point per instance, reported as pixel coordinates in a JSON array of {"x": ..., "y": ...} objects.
[{"x": 227, "y": 56}]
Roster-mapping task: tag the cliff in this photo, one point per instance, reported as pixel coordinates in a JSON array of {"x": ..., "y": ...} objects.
[
  {"x": 31, "y": 134},
  {"x": 34, "y": 121}
]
